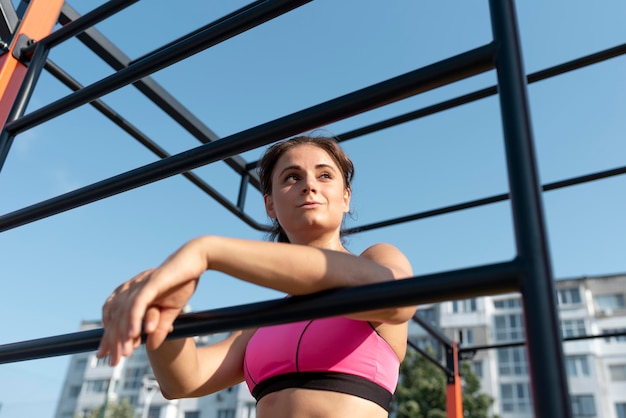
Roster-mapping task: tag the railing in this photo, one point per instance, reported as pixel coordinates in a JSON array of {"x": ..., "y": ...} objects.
[{"x": 528, "y": 273}]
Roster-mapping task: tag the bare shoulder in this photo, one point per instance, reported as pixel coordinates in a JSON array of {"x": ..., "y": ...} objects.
[{"x": 389, "y": 256}]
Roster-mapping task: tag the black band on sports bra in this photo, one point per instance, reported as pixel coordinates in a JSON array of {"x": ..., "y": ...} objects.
[{"x": 330, "y": 381}]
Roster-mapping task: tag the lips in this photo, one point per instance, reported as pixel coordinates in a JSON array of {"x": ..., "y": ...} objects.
[{"x": 309, "y": 204}]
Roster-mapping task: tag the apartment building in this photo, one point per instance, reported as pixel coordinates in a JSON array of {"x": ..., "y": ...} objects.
[{"x": 596, "y": 367}]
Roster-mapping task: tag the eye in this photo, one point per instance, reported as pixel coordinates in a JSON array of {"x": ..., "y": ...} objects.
[
  {"x": 291, "y": 177},
  {"x": 326, "y": 175}
]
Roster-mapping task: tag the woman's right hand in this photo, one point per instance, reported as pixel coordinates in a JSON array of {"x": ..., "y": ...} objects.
[{"x": 154, "y": 299}]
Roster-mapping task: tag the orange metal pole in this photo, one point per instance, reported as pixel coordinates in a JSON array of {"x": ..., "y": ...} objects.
[
  {"x": 38, "y": 22},
  {"x": 454, "y": 397}
]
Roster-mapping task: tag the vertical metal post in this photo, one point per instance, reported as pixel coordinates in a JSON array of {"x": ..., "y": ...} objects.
[
  {"x": 243, "y": 188},
  {"x": 22, "y": 98},
  {"x": 454, "y": 396},
  {"x": 545, "y": 350}
]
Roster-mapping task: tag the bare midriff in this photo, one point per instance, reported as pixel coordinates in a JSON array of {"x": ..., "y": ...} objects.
[{"x": 307, "y": 403}]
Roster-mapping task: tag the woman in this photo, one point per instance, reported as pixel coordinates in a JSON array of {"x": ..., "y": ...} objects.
[{"x": 334, "y": 367}]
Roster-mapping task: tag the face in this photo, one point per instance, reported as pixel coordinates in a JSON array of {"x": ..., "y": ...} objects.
[{"x": 308, "y": 193}]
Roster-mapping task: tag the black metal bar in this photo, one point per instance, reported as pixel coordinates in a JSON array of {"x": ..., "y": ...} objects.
[
  {"x": 474, "y": 348},
  {"x": 113, "y": 56},
  {"x": 221, "y": 20},
  {"x": 476, "y": 95},
  {"x": 547, "y": 366},
  {"x": 133, "y": 131},
  {"x": 24, "y": 94},
  {"x": 418, "y": 81},
  {"x": 485, "y": 280},
  {"x": 243, "y": 188},
  {"x": 433, "y": 360},
  {"x": 8, "y": 21},
  {"x": 486, "y": 200},
  {"x": 97, "y": 15},
  {"x": 483, "y": 93},
  {"x": 153, "y": 63},
  {"x": 434, "y": 332}
]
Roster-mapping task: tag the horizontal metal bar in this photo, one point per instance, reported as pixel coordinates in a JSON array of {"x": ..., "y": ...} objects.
[
  {"x": 154, "y": 147},
  {"x": 474, "y": 96},
  {"x": 433, "y": 360},
  {"x": 184, "y": 49},
  {"x": 486, "y": 201},
  {"x": 406, "y": 85},
  {"x": 109, "y": 53},
  {"x": 522, "y": 343},
  {"x": 75, "y": 27},
  {"x": 484, "y": 280},
  {"x": 434, "y": 332},
  {"x": 483, "y": 93}
]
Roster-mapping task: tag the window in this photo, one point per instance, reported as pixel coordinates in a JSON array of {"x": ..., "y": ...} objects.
[
  {"x": 465, "y": 336},
  {"x": 568, "y": 296},
  {"x": 96, "y": 386},
  {"x": 617, "y": 338},
  {"x": 466, "y": 305},
  {"x": 577, "y": 366},
  {"x": 226, "y": 413},
  {"x": 583, "y": 406},
  {"x": 102, "y": 362},
  {"x": 618, "y": 372},
  {"x": 80, "y": 364},
  {"x": 509, "y": 327},
  {"x": 620, "y": 408},
  {"x": 133, "y": 377},
  {"x": 573, "y": 328},
  {"x": 74, "y": 391},
  {"x": 507, "y": 303},
  {"x": 512, "y": 361},
  {"x": 192, "y": 414},
  {"x": 615, "y": 301},
  {"x": 429, "y": 315},
  {"x": 515, "y": 397},
  {"x": 477, "y": 368},
  {"x": 249, "y": 410},
  {"x": 154, "y": 412}
]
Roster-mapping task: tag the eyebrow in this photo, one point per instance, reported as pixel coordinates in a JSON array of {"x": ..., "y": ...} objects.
[{"x": 297, "y": 167}]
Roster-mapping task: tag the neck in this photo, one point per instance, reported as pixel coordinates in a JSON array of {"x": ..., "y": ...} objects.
[{"x": 326, "y": 242}]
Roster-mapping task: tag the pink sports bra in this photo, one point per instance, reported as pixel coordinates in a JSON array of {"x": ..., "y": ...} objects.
[{"x": 336, "y": 354}]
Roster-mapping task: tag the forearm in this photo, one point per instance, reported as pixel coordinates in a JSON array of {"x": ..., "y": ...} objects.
[
  {"x": 294, "y": 269},
  {"x": 185, "y": 370},
  {"x": 175, "y": 366}
]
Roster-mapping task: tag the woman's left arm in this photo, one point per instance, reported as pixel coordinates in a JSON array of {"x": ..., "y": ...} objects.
[
  {"x": 395, "y": 261},
  {"x": 298, "y": 270}
]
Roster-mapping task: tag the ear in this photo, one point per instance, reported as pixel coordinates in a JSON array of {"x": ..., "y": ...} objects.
[
  {"x": 269, "y": 206},
  {"x": 346, "y": 200}
]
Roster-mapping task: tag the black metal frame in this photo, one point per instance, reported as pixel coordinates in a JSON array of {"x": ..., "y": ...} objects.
[{"x": 529, "y": 272}]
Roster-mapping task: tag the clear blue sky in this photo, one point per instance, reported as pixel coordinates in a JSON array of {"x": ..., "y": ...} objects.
[{"x": 58, "y": 271}]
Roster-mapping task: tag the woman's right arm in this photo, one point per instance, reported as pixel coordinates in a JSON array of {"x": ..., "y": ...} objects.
[{"x": 184, "y": 370}]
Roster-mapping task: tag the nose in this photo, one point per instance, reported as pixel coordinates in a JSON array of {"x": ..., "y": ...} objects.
[{"x": 309, "y": 185}]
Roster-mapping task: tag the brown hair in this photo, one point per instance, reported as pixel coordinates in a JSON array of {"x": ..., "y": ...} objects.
[{"x": 273, "y": 154}]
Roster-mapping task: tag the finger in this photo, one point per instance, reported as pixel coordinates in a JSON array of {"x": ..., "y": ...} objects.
[
  {"x": 163, "y": 328},
  {"x": 151, "y": 319},
  {"x": 135, "y": 302},
  {"x": 143, "y": 295}
]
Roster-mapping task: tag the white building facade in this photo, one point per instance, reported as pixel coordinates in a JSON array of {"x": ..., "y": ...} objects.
[
  {"x": 588, "y": 306},
  {"x": 596, "y": 367}
]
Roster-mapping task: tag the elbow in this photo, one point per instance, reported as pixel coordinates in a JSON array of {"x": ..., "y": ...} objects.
[
  {"x": 171, "y": 395},
  {"x": 399, "y": 315}
]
